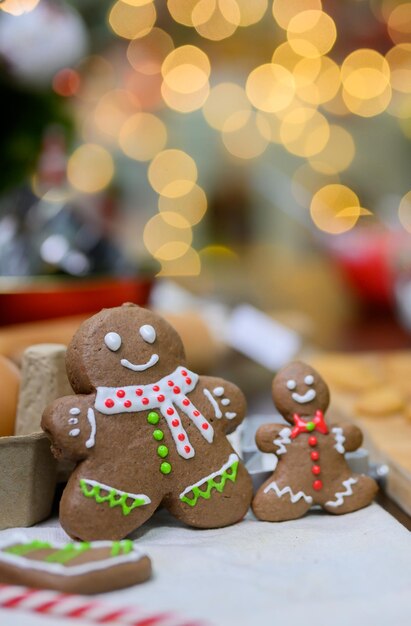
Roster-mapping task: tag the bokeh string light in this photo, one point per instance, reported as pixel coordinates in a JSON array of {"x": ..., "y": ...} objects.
[
  {"x": 300, "y": 96},
  {"x": 130, "y": 20},
  {"x": 335, "y": 209},
  {"x": 18, "y": 7},
  {"x": 90, "y": 168}
]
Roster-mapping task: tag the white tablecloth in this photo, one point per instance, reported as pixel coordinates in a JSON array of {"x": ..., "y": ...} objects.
[{"x": 320, "y": 570}]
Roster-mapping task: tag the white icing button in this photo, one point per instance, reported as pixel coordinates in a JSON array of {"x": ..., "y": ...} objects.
[
  {"x": 112, "y": 341},
  {"x": 291, "y": 384},
  {"x": 75, "y": 432},
  {"x": 225, "y": 401},
  {"x": 230, "y": 416},
  {"x": 218, "y": 391},
  {"x": 148, "y": 333},
  {"x": 74, "y": 411},
  {"x": 73, "y": 420},
  {"x": 309, "y": 379}
]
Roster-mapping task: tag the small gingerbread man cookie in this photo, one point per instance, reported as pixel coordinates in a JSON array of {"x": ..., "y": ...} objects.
[
  {"x": 311, "y": 468},
  {"x": 144, "y": 431}
]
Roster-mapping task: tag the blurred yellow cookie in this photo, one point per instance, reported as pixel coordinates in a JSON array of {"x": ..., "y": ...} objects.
[
  {"x": 380, "y": 402},
  {"x": 348, "y": 373}
]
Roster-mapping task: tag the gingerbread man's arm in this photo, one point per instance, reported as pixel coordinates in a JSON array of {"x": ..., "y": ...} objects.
[
  {"x": 221, "y": 401},
  {"x": 273, "y": 437},
  {"x": 348, "y": 435},
  {"x": 353, "y": 437},
  {"x": 70, "y": 424}
]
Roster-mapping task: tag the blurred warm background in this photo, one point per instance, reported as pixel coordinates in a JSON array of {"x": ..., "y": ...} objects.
[
  {"x": 252, "y": 151},
  {"x": 242, "y": 166}
]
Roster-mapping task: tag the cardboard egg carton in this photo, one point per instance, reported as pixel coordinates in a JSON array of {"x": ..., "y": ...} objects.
[
  {"x": 28, "y": 470},
  {"x": 27, "y": 480}
]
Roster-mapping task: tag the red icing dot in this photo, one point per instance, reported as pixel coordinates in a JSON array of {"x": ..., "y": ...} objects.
[
  {"x": 176, "y": 389},
  {"x": 161, "y": 398},
  {"x": 317, "y": 485},
  {"x": 204, "y": 426},
  {"x": 175, "y": 423},
  {"x": 170, "y": 383},
  {"x": 184, "y": 372},
  {"x": 120, "y": 393},
  {"x": 145, "y": 401},
  {"x": 312, "y": 441},
  {"x": 187, "y": 449},
  {"x": 188, "y": 381},
  {"x": 315, "y": 455},
  {"x": 127, "y": 404},
  {"x": 170, "y": 411},
  {"x": 139, "y": 392},
  {"x": 156, "y": 388},
  {"x": 186, "y": 402},
  {"x": 196, "y": 413},
  {"x": 316, "y": 469},
  {"x": 181, "y": 437},
  {"x": 109, "y": 403}
]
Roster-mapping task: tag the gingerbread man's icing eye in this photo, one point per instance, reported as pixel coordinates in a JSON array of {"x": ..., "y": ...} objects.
[
  {"x": 291, "y": 384},
  {"x": 148, "y": 333},
  {"x": 309, "y": 379},
  {"x": 112, "y": 341}
]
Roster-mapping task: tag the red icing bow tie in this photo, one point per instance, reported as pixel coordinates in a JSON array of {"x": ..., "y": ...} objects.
[{"x": 318, "y": 423}]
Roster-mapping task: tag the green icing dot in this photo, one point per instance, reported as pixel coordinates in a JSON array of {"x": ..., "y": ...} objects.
[
  {"x": 153, "y": 418},
  {"x": 158, "y": 435},
  {"x": 162, "y": 451},
  {"x": 310, "y": 426},
  {"x": 165, "y": 468}
]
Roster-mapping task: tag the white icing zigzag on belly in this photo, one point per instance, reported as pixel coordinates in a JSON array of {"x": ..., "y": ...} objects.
[
  {"x": 294, "y": 497},
  {"x": 339, "y": 439},
  {"x": 340, "y": 495},
  {"x": 283, "y": 440}
]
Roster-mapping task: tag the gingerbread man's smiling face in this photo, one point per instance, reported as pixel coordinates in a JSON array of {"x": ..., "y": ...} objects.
[
  {"x": 298, "y": 388},
  {"x": 123, "y": 346}
]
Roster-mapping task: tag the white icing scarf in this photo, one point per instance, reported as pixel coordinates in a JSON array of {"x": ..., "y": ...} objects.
[{"x": 165, "y": 395}]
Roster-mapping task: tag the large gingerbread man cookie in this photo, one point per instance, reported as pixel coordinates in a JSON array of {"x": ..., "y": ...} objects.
[
  {"x": 311, "y": 468},
  {"x": 144, "y": 431}
]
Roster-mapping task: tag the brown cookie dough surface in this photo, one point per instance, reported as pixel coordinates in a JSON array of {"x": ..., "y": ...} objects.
[
  {"x": 311, "y": 468},
  {"x": 84, "y": 568}
]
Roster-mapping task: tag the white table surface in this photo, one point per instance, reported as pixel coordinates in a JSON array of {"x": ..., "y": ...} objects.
[{"x": 320, "y": 570}]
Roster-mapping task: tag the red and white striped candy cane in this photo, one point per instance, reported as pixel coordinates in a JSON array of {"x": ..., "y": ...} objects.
[{"x": 69, "y": 606}]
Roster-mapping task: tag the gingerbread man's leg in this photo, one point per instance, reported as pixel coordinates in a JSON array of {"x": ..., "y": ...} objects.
[
  {"x": 350, "y": 494},
  {"x": 276, "y": 501},
  {"x": 91, "y": 510},
  {"x": 221, "y": 499}
]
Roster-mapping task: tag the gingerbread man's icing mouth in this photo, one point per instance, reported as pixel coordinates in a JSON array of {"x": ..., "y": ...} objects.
[
  {"x": 309, "y": 395},
  {"x": 140, "y": 367}
]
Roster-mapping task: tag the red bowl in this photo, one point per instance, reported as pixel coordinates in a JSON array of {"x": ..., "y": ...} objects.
[
  {"x": 36, "y": 299},
  {"x": 366, "y": 257}
]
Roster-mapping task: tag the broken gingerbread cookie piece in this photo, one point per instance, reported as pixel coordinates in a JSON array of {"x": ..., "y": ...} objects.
[{"x": 80, "y": 567}]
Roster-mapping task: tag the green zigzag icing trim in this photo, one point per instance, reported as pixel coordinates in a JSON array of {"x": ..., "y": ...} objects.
[
  {"x": 68, "y": 552},
  {"x": 211, "y": 484},
  {"x": 26, "y": 548},
  {"x": 113, "y": 498},
  {"x": 121, "y": 547}
]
